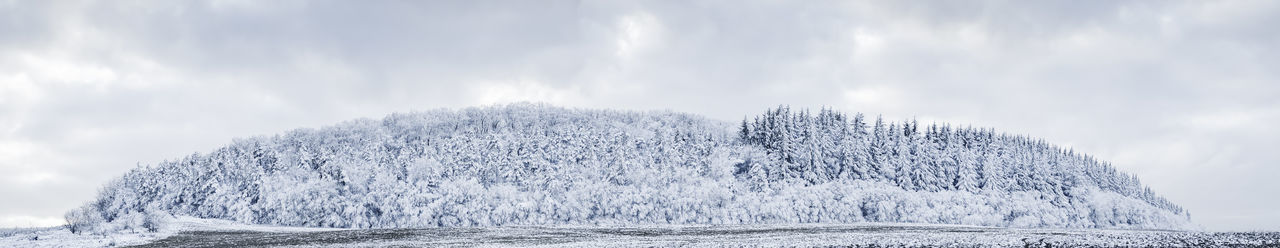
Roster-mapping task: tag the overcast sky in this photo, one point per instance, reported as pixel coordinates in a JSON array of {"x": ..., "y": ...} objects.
[{"x": 1179, "y": 93}]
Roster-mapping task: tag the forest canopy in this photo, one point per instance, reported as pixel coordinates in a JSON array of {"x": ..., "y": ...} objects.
[{"x": 531, "y": 164}]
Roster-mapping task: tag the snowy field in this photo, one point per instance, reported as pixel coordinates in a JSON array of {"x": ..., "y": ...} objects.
[
  {"x": 62, "y": 237},
  {"x": 189, "y": 232}
]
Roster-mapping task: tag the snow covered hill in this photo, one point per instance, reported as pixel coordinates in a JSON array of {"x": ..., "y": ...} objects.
[{"x": 527, "y": 164}]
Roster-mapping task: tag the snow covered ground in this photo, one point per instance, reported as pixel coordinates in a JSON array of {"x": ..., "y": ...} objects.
[
  {"x": 191, "y": 232},
  {"x": 62, "y": 237}
]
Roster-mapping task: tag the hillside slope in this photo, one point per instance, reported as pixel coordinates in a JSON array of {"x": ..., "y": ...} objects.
[{"x": 532, "y": 164}]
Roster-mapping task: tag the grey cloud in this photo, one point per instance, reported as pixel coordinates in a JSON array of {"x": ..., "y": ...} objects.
[{"x": 1134, "y": 82}]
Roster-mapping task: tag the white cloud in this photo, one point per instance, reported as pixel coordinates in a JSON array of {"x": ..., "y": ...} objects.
[
  {"x": 30, "y": 221},
  {"x": 1234, "y": 119},
  {"x": 520, "y": 90},
  {"x": 866, "y": 41},
  {"x": 27, "y": 165},
  {"x": 878, "y": 98},
  {"x": 18, "y": 88},
  {"x": 637, "y": 32},
  {"x": 46, "y": 68}
]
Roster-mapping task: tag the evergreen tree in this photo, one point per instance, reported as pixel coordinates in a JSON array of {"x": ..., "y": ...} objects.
[{"x": 538, "y": 165}]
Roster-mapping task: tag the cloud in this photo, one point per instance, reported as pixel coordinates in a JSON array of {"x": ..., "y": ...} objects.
[
  {"x": 1179, "y": 92},
  {"x": 519, "y": 91},
  {"x": 29, "y": 221},
  {"x": 637, "y": 32}
]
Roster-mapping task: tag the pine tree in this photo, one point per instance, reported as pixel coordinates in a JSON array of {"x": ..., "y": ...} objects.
[{"x": 536, "y": 165}]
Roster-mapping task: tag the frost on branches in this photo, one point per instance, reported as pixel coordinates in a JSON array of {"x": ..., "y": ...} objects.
[{"x": 527, "y": 164}]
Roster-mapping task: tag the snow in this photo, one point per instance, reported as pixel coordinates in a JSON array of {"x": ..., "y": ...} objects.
[
  {"x": 187, "y": 223},
  {"x": 195, "y": 232},
  {"x": 542, "y": 165},
  {"x": 62, "y": 236}
]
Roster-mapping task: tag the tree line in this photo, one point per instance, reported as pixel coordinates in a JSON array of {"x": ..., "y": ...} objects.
[{"x": 530, "y": 164}]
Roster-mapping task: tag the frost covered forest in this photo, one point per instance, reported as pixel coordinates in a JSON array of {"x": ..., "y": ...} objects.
[{"x": 530, "y": 164}]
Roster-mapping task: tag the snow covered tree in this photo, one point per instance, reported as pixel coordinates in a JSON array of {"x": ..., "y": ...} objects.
[{"x": 527, "y": 164}]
